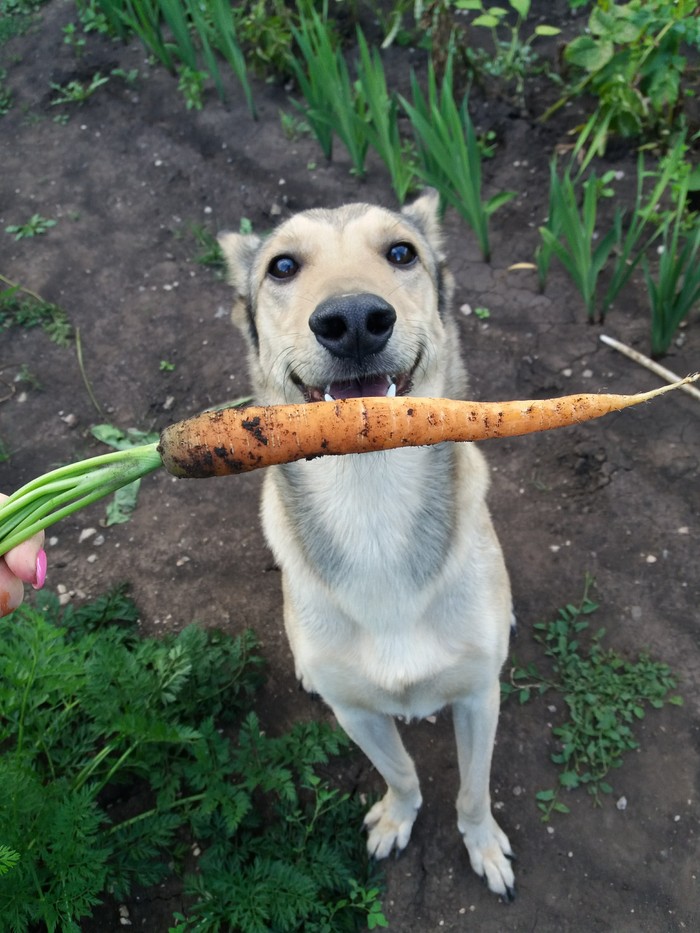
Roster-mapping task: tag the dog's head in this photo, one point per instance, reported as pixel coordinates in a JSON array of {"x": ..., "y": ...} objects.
[{"x": 347, "y": 302}]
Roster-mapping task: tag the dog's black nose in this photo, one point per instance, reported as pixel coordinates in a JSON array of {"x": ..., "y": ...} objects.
[{"x": 353, "y": 326}]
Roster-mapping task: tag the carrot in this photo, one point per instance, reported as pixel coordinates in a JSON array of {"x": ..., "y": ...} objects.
[
  {"x": 237, "y": 440},
  {"x": 229, "y": 441}
]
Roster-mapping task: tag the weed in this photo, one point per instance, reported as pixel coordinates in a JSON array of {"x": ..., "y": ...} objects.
[
  {"x": 5, "y": 94},
  {"x": 35, "y": 226},
  {"x": 211, "y": 254},
  {"x": 73, "y": 39},
  {"x": 512, "y": 58},
  {"x": 449, "y": 154},
  {"x": 634, "y": 61},
  {"x": 604, "y": 694},
  {"x": 129, "y": 77},
  {"x": 293, "y": 127},
  {"x": 77, "y": 92},
  {"x": 92, "y": 716},
  {"x": 191, "y": 85},
  {"x": 166, "y": 367},
  {"x": 20, "y": 307}
]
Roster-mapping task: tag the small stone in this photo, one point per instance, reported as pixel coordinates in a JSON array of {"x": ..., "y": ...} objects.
[
  {"x": 621, "y": 804},
  {"x": 86, "y": 533}
]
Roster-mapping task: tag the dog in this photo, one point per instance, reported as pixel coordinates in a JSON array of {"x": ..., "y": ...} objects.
[{"x": 397, "y": 601}]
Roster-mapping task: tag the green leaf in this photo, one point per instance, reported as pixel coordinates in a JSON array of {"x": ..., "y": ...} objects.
[
  {"x": 120, "y": 509},
  {"x": 521, "y": 7},
  {"x": 569, "y": 779},
  {"x": 588, "y": 53},
  {"x": 490, "y": 22},
  {"x": 547, "y": 30}
]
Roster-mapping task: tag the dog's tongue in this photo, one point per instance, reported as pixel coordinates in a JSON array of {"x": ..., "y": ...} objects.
[{"x": 360, "y": 388}]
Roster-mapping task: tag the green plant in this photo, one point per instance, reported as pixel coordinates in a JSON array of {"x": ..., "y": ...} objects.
[
  {"x": 264, "y": 28},
  {"x": 676, "y": 289},
  {"x": 188, "y": 37},
  {"x": 449, "y": 153},
  {"x": 20, "y": 307},
  {"x": 211, "y": 254},
  {"x": 634, "y": 60},
  {"x": 571, "y": 235},
  {"x": 604, "y": 695},
  {"x": 77, "y": 92},
  {"x": 570, "y": 230},
  {"x": 5, "y": 94},
  {"x": 72, "y": 38},
  {"x": 16, "y": 17},
  {"x": 35, "y": 226},
  {"x": 512, "y": 58},
  {"x": 382, "y": 119},
  {"x": 332, "y": 102},
  {"x": 8, "y": 859},
  {"x": 94, "y": 717},
  {"x": 191, "y": 85}
]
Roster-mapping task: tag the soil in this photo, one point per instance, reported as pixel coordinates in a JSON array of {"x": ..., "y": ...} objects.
[{"x": 127, "y": 176}]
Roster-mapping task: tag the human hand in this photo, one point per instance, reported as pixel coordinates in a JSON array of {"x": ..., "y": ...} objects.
[{"x": 25, "y": 563}]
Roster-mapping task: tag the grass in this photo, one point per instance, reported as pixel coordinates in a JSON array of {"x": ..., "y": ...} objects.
[
  {"x": 121, "y": 752},
  {"x": 604, "y": 695}
]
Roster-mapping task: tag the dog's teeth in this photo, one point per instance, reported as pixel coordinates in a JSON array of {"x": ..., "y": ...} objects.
[
  {"x": 328, "y": 397},
  {"x": 391, "y": 391}
]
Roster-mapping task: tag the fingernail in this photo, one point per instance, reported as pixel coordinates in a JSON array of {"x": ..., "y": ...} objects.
[{"x": 40, "y": 577}]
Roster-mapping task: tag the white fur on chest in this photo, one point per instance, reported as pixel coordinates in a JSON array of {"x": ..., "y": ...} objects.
[{"x": 366, "y": 526}]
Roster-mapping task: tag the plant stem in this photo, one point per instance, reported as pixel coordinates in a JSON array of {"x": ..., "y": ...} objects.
[{"x": 55, "y": 495}]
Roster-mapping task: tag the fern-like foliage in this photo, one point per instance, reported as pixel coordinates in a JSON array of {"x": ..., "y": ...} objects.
[{"x": 115, "y": 762}]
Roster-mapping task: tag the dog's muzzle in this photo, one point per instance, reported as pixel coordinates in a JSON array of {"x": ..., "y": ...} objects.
[{"x": 355, "y": 329}]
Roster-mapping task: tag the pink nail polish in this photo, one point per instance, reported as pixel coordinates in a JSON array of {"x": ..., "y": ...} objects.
[{"x": 40, "y": 570}]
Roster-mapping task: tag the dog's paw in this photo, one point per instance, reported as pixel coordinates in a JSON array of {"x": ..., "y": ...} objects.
[
  {"x": 389, "y": 823},
  {"x": 490, "y": 855}
]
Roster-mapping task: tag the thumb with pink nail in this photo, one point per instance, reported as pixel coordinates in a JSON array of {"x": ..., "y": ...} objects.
[{"x": 25, "y": 563}]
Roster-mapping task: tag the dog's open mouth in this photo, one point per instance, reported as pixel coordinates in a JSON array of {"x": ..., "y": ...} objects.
[{"x": 361, "y": 387}]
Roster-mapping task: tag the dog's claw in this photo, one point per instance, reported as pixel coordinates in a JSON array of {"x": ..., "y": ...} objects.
[{"x": 509, "y": 896}]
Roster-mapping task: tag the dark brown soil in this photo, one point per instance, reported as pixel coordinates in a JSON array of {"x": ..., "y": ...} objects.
[{"x": 126, "y": 177}]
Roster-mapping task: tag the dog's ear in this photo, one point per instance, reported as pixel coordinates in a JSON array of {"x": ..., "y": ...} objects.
[
  {"x": 239, "y": 253},
  {"x": 425, "y": 214}
]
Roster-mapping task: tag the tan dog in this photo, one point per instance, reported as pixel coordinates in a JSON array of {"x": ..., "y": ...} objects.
[{"x": 396, "y": 598}]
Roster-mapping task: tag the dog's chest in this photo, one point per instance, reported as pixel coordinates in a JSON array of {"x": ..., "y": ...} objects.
[{"x": 375, "y": 523}]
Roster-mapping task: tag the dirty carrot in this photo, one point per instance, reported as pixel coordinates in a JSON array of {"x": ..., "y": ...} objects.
[
  {"x": 235, "y": 440},
  {"x": 220, "y": 443}
]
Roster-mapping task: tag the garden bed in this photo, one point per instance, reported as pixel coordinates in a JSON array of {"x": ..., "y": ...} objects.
[{"x": 130, "y": 177}]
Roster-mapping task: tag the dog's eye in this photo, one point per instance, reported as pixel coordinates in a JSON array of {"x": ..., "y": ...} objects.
[
  {"x": 283, "y": 267},
  {"x": 401, "y": 254}
]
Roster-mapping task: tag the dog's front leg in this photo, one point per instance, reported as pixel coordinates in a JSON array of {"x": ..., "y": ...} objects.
[
  {"x": 475, "y": 720},
  {"x": 390, "y": 821}
]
